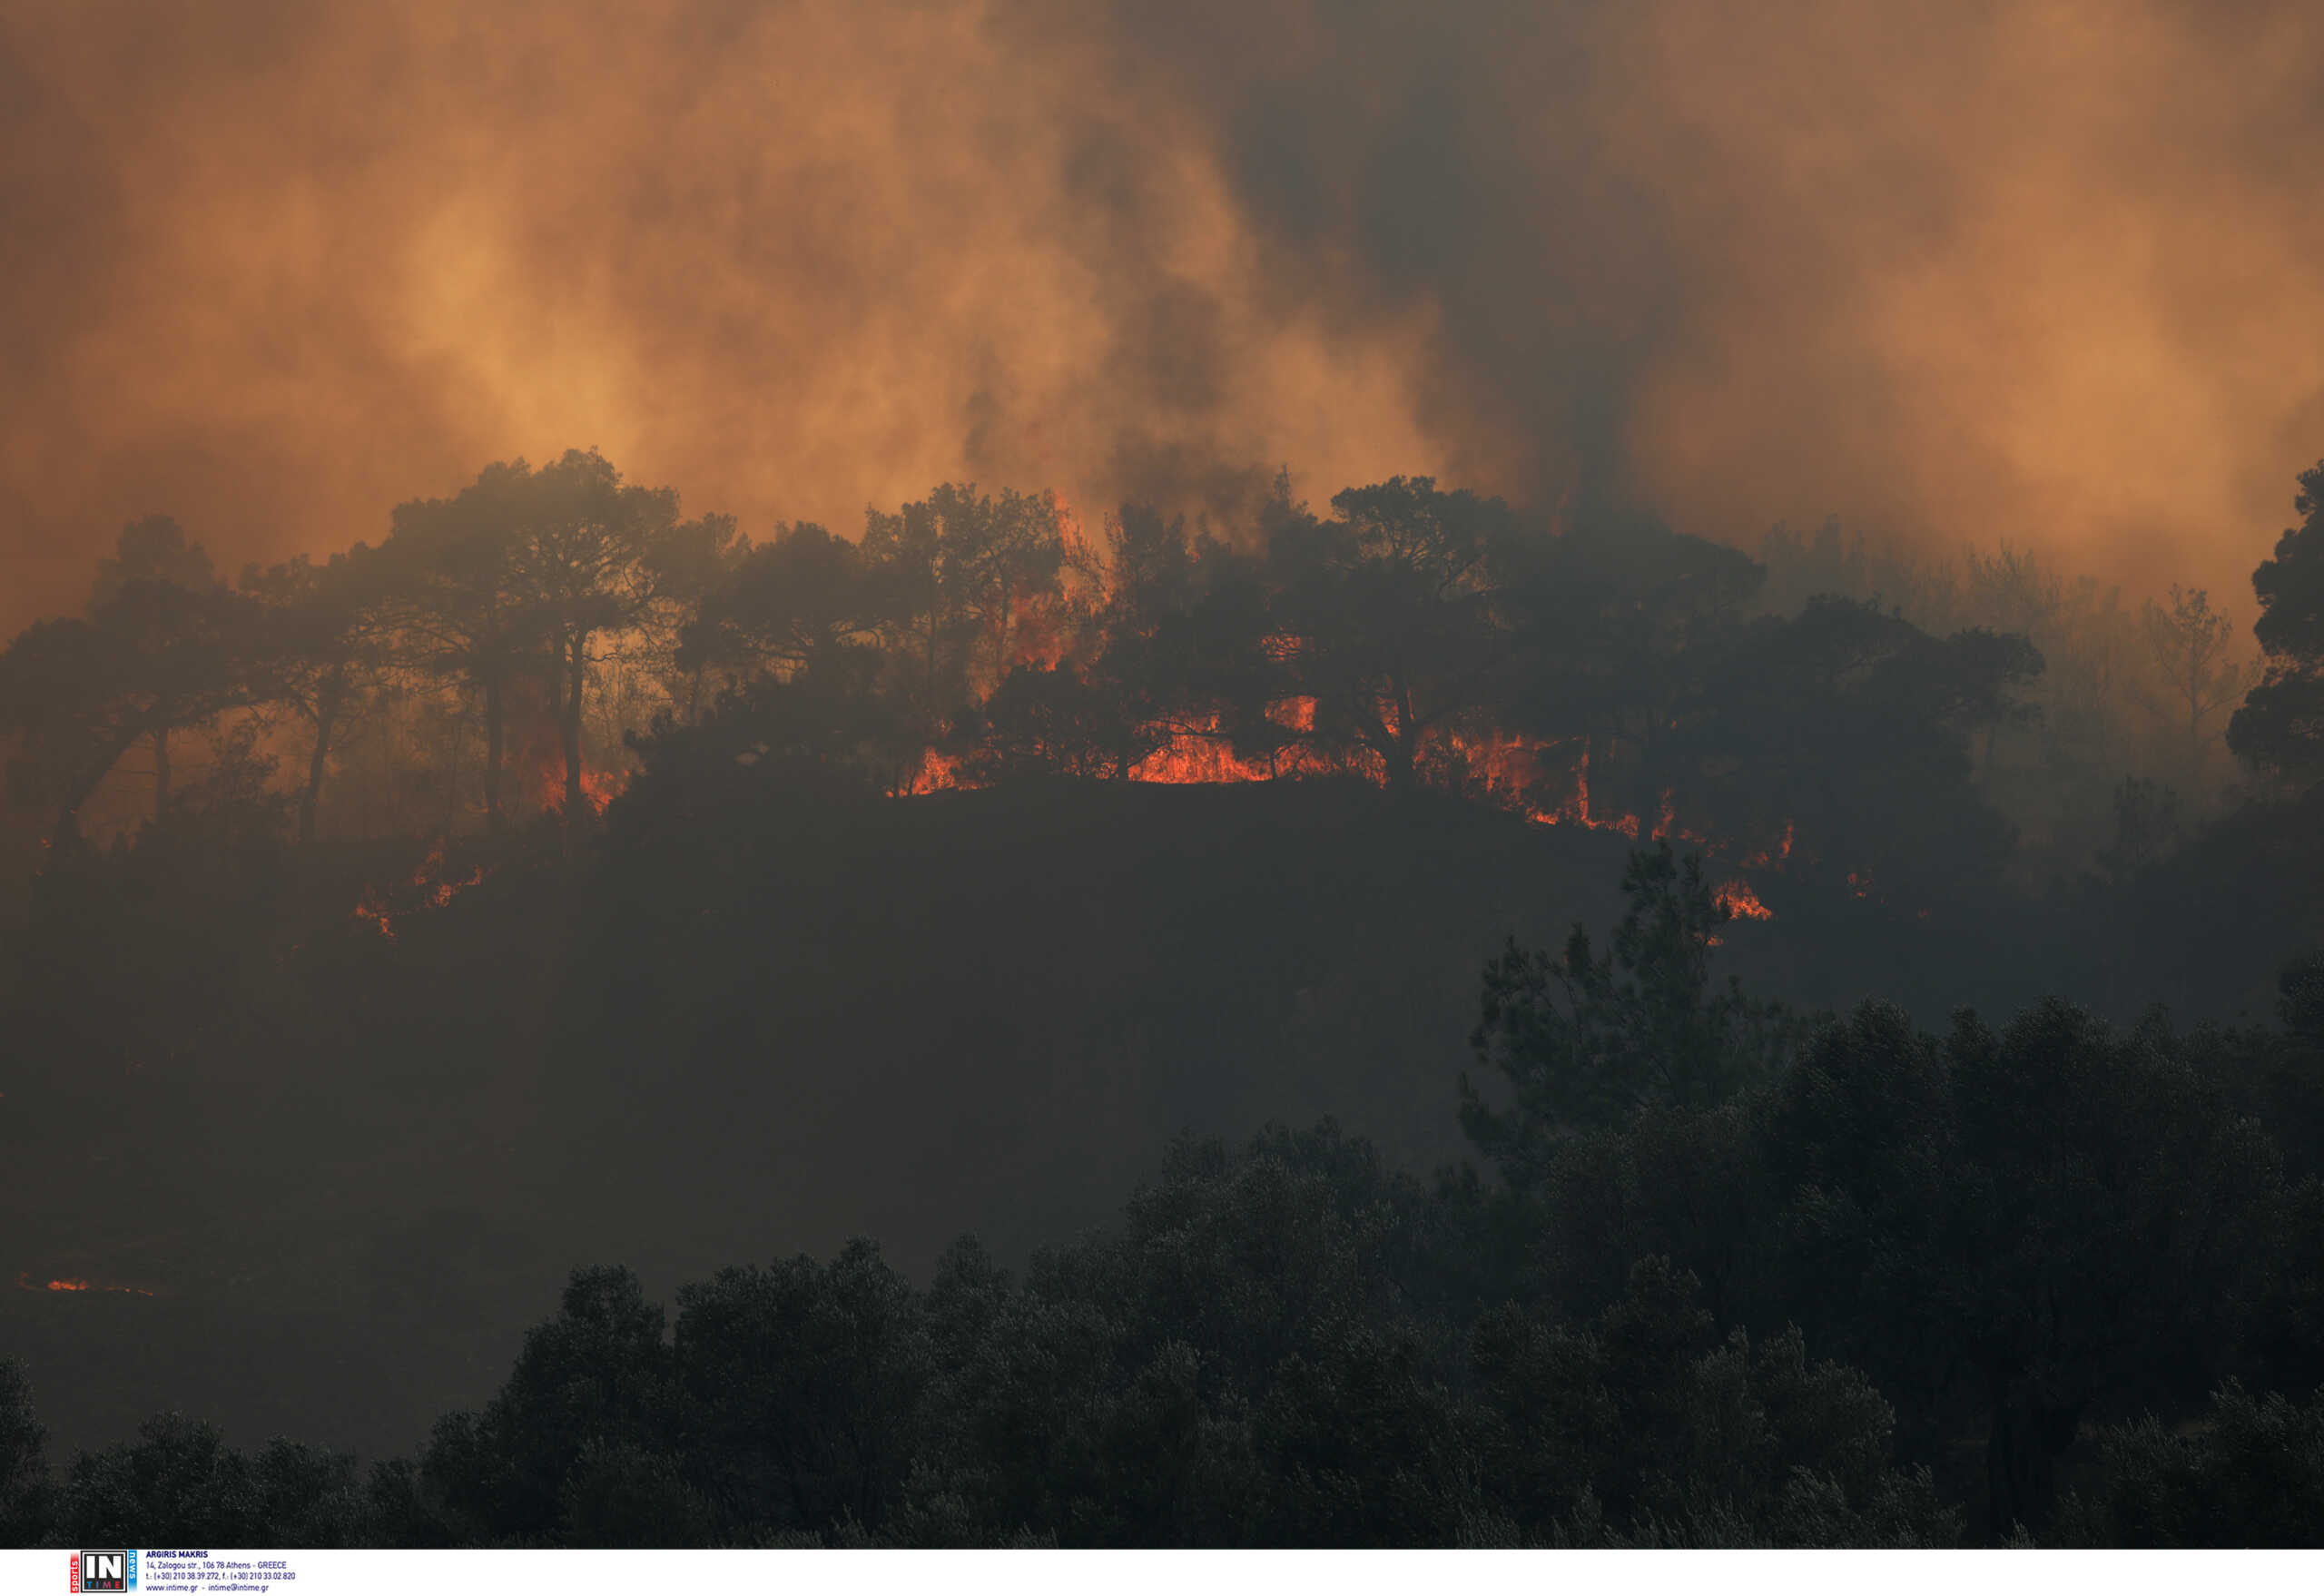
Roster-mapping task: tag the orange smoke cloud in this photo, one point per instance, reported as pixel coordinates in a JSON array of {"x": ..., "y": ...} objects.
[
  {"x": 2035, "y": 272},
  {"x": 2040, "y": 272},
  {"x": 295, "y": 264}
]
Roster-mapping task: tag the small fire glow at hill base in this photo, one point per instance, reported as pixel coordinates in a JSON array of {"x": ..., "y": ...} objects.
[
  {"x": 24, "y": 1281},
  {"x": 429, "y": 888}
]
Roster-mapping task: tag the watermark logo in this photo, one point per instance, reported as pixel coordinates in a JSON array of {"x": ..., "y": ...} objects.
[{"x": 105, "y": 1571}]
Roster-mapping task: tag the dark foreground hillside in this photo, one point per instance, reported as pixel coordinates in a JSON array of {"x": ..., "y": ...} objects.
[
  {"x": 348, "y": 1167},
  {"x": 1717, "y": 1271},
  {"x": 318, "y": 1177}
]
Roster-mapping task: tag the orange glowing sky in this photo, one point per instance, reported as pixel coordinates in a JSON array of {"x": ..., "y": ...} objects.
[{"x": 2044, "y": 271}]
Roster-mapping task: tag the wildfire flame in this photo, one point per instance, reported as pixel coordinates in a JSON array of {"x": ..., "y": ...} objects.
[
  {"x": 1055, "y": 630},
  {"x": 1512, "y": 770},
  {"x": 1203, "y": 753},
  {"x": 1737, "y": 897},
  {"x": 26, "y": 1283},
  {"x": 433, "y": 890},
  {"x": 598, "y": 787},
  {"x": 1575, "y": 811},
  {"x": 938, "y": 772},
  {"x": 1776, "y": 858},
  {"x": 1196, "y": 756},
  {"x": 1509, "y": 768}
]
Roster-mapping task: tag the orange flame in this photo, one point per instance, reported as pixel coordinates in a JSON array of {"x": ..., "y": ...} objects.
[
  {"x": 1737, "y": 897},
  {"x": 1046, "y": 630},
  {"x": 1575, "y": 811},
  {"x": 1510, "y": 768},
  {"x": 1777, "y": 859},
  {"x": 938, "y": 772},
  {"x": 1203, "y": 751},
  {"x": 434, "y": 891},
  {"x": 599, "y": 787},
  {"x": 24, "y": 1283},
  {"x": 1197, "y": 754}
]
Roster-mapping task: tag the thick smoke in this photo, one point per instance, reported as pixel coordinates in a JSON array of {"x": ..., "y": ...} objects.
[{"x": 1961, "y": 272}]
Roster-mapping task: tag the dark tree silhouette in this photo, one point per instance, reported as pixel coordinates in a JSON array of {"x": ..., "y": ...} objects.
[
  {"x": 324, "y": 654},
  {"x": 2281, "y": 723},
  {"x": 1614, "y": 626},
  {"x": 1851, "y": 729},
  {"x": 152, "y": 658},
  {"x": 1052, "y": 720},
  {"x": 2250, "y": 1475},
  {"x": 2057, "y": 1214},
  {"x": 2189, "y": 642},
  {"x": 785, "y": 606},
  {"x": 959, "y": 569},
  {"x": 24, "y": 1472},
  {"x": 452, "y": 593},
  {"x": 1588, "y": 1040},
  {"x": 584, "y": 567},
  {"x": 153, "y": 549},
  {"x": 1385, "y": 614}
]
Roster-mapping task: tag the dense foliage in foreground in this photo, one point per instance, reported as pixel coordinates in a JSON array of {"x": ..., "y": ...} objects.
[{"x": 1730, "y": 1276}]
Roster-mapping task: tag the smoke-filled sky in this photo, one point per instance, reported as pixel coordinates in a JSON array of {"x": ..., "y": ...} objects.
[{"x": 1959, "y": 270}]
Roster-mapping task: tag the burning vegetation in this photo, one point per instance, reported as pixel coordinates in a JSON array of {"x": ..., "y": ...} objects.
[
  {"x": 430, "y": 886},
  {"x": 1416, "y": 639},
  {"x": 25, "y": 1282},
  {"x": 533, "y": 644}
]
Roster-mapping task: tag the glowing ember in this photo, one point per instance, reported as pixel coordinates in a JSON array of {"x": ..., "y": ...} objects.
[
  {"x": 1203, "y": 753},
  {"x": 938, "y": 772},
  {"x": 1510, "y": 767},
  {"x": 26, "y": 1283},
  {"x": 1293, "y": 714},
  {"x": 1511, "y": 770},
  {"x": 1042, "y": 633},
  {"x": 1049, "y": 630},
  {"x": 598, "y": 787},
  {"x": 1575, "y": 810},
  {"x": 433, "y": 890},
  {"x": 1669, "y": 819},
  {"x": 1192, "y": 756},
  {"x": 1738, "y": 899},
  {"x": 1776, "y": 859}
]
